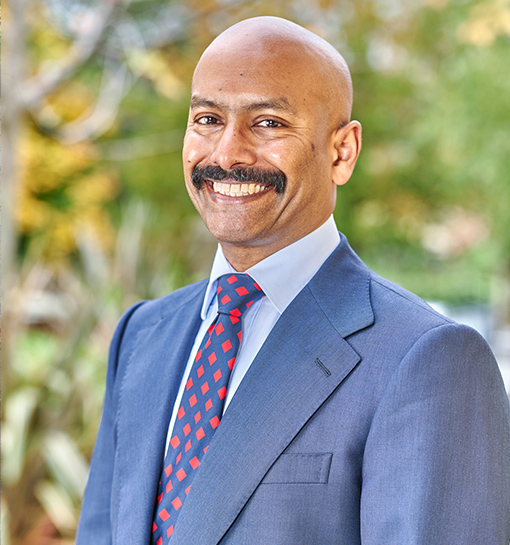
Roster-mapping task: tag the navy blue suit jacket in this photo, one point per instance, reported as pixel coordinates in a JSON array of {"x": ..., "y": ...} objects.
[{"x": 366, "y": 418}]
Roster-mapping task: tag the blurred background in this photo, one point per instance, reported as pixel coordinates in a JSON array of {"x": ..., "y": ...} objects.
[{"x": 96, "y": 216}]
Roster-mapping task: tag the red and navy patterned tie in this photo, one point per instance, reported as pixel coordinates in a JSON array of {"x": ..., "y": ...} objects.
[{"x": 202, "y": 402}]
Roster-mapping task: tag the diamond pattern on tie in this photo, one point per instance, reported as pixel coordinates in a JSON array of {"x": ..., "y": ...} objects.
[{"x": 203, "y": 400}]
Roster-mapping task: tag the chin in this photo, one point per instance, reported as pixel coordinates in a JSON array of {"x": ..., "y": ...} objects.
[{"x": 231, "y": 237}]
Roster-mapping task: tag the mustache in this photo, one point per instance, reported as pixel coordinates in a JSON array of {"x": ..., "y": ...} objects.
[{"x": 275, "y": 178}]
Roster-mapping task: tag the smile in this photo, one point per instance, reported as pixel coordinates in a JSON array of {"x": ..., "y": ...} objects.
[{"x": 237, "y": 190}]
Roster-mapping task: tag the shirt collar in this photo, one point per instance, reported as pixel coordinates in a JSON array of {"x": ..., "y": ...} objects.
[{"x": 298, "y": 261}]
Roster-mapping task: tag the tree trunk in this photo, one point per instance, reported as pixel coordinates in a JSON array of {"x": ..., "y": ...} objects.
[{"x": 13, "y": 51}]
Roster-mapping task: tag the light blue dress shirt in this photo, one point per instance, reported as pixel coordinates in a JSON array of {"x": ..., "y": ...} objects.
[{"x": 281, "y": 276}]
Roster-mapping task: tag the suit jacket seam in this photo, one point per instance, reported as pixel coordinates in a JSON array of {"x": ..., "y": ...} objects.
[
  {"x": 121, "y": 334},
  {"x": 118, "y": 418},
  {"x": 424, "y": 306}
]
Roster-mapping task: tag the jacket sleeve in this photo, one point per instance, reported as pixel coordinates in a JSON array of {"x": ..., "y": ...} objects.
[
  {"x": 436, "y": 467},
  {"x": 95, "y": 525}
]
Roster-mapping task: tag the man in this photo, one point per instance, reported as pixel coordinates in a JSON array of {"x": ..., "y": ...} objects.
[{"x": 350, "y": 412}]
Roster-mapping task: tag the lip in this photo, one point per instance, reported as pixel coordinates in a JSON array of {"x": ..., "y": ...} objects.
[{"x": 228, "y": 199}]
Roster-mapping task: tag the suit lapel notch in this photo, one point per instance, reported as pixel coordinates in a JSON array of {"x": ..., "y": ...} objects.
[{"x": 342, "y": 290}]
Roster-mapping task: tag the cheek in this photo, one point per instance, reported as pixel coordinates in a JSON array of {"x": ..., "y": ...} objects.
[
  {"x": 289, "y": 159},
  {"x": 191, "y": 151},
  {"x": 274, "y": 152}
]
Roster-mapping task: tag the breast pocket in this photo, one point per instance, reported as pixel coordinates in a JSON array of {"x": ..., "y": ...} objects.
[{"x": 300, "y": 468}]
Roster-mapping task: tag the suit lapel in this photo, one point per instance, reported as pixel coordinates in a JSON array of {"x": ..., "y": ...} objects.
[
  {"x": 301, "y": 363},
  {"x": 148, "y": 392}
]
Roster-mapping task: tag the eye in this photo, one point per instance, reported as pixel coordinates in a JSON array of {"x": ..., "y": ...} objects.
[
  {"x": 269, "y": 123},
  {"x": 207, "y": 120}
]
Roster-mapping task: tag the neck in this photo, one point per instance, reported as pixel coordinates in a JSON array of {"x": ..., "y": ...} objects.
[
  {"x": 243, "y": 259},
  {"x": 244, "y": 256}
]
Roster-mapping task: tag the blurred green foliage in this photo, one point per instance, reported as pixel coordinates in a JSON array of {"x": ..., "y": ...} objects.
[{"x": 103, "y": 218}]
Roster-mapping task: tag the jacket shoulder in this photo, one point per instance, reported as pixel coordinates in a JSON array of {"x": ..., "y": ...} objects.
[
  {"x": 152, "y": 311},
  {"x": 404, "y": 307},
  {"x": 355, "y": 298}
]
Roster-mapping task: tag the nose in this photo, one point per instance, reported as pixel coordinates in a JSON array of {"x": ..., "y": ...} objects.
[{"x": 233, "y": 148}]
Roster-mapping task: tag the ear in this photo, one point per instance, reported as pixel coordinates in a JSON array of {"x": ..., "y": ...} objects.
[{"x": 346, "y": 145}]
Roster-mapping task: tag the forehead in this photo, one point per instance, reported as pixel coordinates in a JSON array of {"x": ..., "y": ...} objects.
[
  {"x": 250, "y": 103},
  {"x": 258, "y": 78}
]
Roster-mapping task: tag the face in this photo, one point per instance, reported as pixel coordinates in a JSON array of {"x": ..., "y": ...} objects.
[{"x": 258, "y": 151}]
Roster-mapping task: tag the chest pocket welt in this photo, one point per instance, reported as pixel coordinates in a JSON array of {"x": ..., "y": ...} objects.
[{"x": 300, "y": 468}]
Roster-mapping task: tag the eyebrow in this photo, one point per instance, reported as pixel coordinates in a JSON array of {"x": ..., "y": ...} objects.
[{"x": 277, "y": 104}]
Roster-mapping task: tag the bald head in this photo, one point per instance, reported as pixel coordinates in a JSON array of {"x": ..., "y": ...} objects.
[
  {"x": 269, "y": 136},
  {"x": 288, "y": 47}
]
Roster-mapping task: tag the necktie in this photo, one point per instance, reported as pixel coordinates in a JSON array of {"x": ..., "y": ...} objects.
[{"x": 202, "y": 402}]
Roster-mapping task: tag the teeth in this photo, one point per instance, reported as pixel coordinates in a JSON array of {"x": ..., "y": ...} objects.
[{"x": 237, "y": 190}]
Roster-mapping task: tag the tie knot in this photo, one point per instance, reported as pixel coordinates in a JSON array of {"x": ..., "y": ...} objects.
[{"x": 236, "y": 293}]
